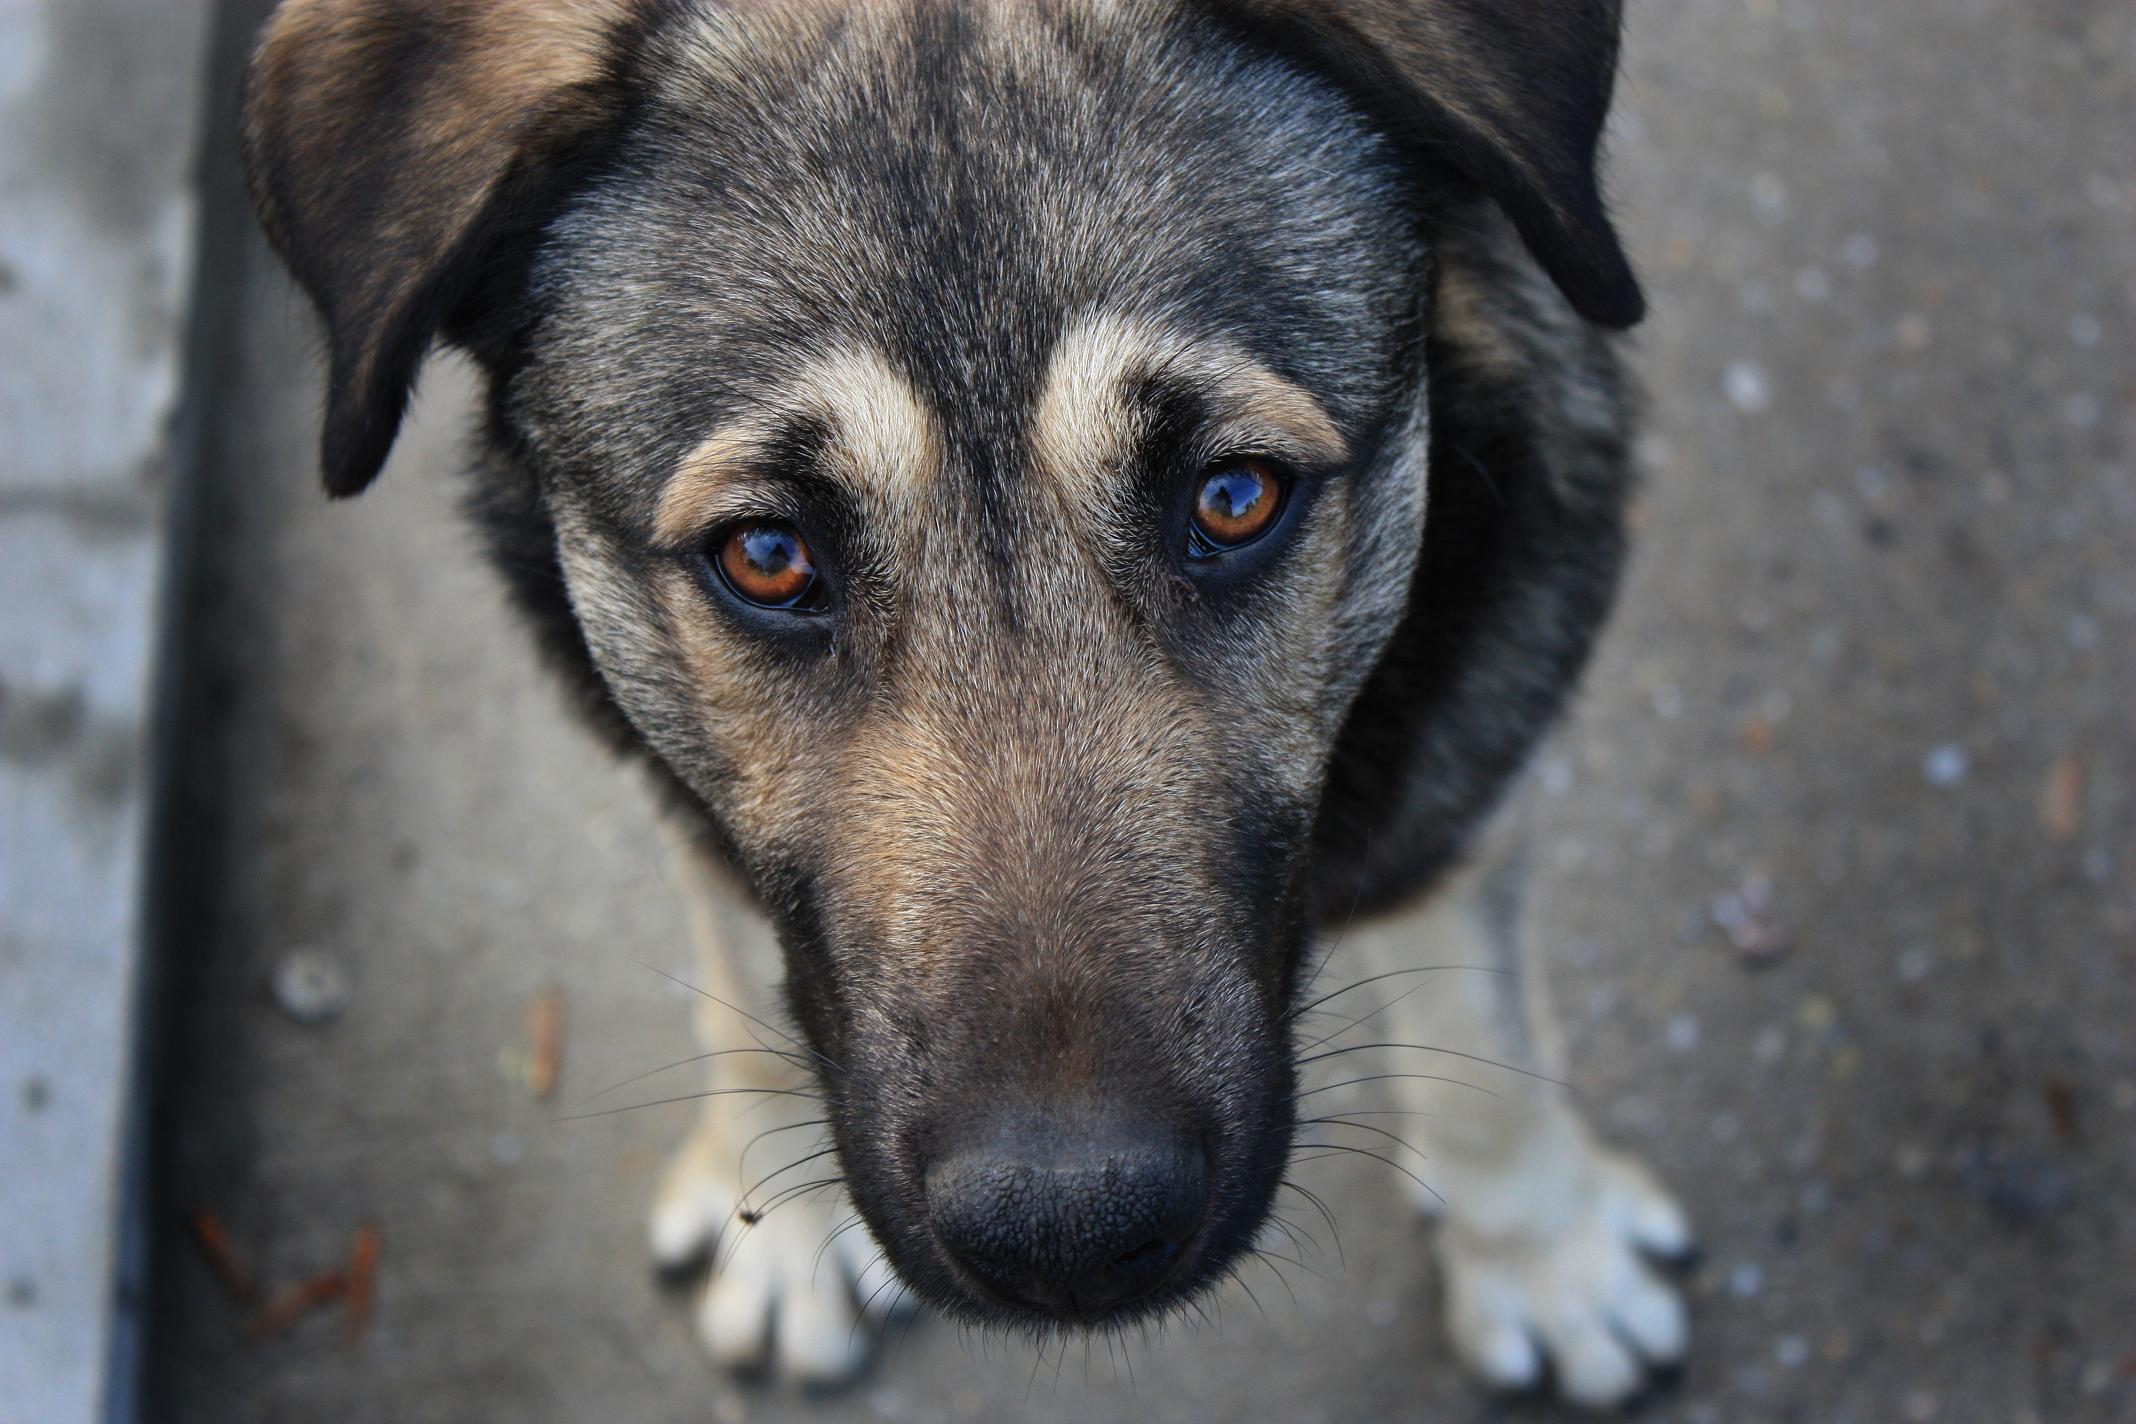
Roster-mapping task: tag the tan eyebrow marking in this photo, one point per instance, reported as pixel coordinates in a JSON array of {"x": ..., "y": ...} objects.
[
  {"x": 884, "y": 441},
  {"x": 1086, "y": 422}
]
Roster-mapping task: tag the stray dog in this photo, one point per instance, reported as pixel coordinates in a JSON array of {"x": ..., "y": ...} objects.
[{"x": 1074, "y": 500}]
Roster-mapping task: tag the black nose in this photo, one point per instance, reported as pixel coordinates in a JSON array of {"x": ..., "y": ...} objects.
[{"x": 1069, "y": 1216}]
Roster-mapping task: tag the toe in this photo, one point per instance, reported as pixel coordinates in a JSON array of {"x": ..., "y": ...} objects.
[
  {"x": 1486, "y": 1319},
  {"x": 735, "y": 1319},
  {"x": 821, "y": 1340},
  {"x": 688, "y": 1209},
  {"x": 1642, "y": 1209},
  {"x": 1650, "y": 1315},
  {"x": 1595, "y": 1369}
]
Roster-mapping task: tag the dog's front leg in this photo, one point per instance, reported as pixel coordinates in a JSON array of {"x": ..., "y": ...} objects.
[
  {"x": 1546, "y": 1233},
  {"x": 754, "y": 1185}
]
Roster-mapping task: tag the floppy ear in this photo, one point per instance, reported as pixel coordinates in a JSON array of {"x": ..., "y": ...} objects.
[
  {"x": 1510, "y": 93},
  {"x": 390, "y": 146}
]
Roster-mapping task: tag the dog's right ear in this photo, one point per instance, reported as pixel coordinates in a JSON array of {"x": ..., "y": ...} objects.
[
  {"x": 1511, "y": 93},
  {"x": 390, "y": 145}
]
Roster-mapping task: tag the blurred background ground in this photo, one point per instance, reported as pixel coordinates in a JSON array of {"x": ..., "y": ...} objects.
[{"x": 1842, "y": 837}]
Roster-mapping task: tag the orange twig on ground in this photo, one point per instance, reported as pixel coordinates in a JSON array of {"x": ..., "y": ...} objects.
[
  {"x": 545, "y": 1029},
  {"x": 223, "y": 1259},
  {"x": 295, "y": 1303},
  {"x": 362, "y": 1273}
]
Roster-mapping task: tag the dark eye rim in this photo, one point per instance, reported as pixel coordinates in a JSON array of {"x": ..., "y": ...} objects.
[
  {"x": 812, "y": 601},
  {"x": 1201, "y": 549}
]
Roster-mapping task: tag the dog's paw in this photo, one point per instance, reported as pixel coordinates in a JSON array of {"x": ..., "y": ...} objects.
[
  {"x": 796, "y": 1283},
  {"x": 1582, "y": 1299}
]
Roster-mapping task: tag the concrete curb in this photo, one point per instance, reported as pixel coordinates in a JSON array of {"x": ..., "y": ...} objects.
[{"x": 99, "y": 100}]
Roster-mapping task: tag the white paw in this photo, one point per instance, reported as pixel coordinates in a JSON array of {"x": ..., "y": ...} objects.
[
  {"x": 801, "y": 1288},
  {"x": 1584, "y": 1298}
]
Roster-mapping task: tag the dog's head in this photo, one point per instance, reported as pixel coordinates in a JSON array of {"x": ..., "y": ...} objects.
[{"x": 986, "y": 450}]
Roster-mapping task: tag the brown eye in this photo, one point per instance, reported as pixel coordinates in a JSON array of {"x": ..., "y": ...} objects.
[
  {"x": 767, "y": 563},
  {"x": 1235, "y": 504}
]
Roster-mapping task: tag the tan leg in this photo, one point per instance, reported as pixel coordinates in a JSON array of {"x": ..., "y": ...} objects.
[
  {"x": 1542, "y": 1249},
  {"x": 776, "y": 1291}
]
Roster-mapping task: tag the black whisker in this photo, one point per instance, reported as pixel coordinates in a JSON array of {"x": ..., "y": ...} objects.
[
  {"x": 1449, "y": 1052},
  {"x": 751, "y": 1190},
  {"x": 1233, "y": 1273},
  {"x": 689, "y": 1098},
  {"x": 1325, "y": 1215},
  {"x": 741, "y": 1163},
  {"x": 816, "y": 1262},
  {"x": 1382, "y": 1158},
  {"x": 1368, "y": 1127},
  {"x": 1304, "y": 1009},
  {"x": 1384, "y": 1077},
  {"x": 768, "y": 1027},
  {"x": 794, "y": 1058}
]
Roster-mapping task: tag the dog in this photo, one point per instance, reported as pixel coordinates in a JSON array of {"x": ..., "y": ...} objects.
[{"x": 1077, "y": 505}]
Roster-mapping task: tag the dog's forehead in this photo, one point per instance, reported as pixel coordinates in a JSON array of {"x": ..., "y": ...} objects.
[{"x": 951, "y": 197}]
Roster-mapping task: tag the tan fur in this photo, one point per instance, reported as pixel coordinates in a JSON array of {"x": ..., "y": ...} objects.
[
  {"x": 1084, "y": 425},
  {"x": 885, "y": 443}
]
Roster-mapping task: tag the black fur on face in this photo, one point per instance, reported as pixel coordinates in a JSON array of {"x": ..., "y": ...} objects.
[{"x": 1044, "y": 800}]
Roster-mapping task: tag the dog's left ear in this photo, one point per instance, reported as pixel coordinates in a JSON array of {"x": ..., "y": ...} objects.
[
  {"x": 391, "y": 147},
  {"x": 1512, "y": 93}
]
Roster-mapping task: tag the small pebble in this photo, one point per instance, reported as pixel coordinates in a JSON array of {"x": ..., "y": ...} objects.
[
  {"x": 1792, "y": 1351},
  {"x": 1382, "y": 1312},
  {"x": 1813, "y": 285},
  {"x": 2081, "y": 632},
  {"x": 1682, "y": 1033},
  {"x": 22, "y": 1293},
  {"x": 2123, "y": 1095},
  {"x": 1557, "y": 775},
  {"x": 2081, "y": 410},
  {"x": 2085, "y": 330},
  {"x": 1770, "y": 1046},
  {"x": 1769, "y": 193},
  {"x": 1946, "y": 765},
  {"x": 1920, "y": 1406},
  {"x": 1913, "y": 965},
  {"x": 1747, "y": 387},
  {"x": 2098, "y": 1377},
  {"x": 504, "y": 1149},
  {"x": 1746, "y": 1281},
  {"x": 310, "y": 985},
  {"x": 1817, "y": 1014},
  {"x": 36, "y": 1094},
  {"x": 1860, "y": 250}
]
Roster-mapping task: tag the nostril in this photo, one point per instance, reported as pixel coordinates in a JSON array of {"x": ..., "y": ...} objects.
[{"x": 1149, "y": 1256}]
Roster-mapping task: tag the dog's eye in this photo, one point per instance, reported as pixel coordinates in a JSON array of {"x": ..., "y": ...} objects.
[
  {"x": 767, "y": 563},
  {"x": 1234, "y": 504}
]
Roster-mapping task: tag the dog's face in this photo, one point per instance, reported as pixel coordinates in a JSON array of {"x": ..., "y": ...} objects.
[{"x": 986, "y": 447}]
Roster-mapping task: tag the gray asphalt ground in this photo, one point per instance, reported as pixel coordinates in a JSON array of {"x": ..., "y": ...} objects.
[{"x": 1842, "y": 838}]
